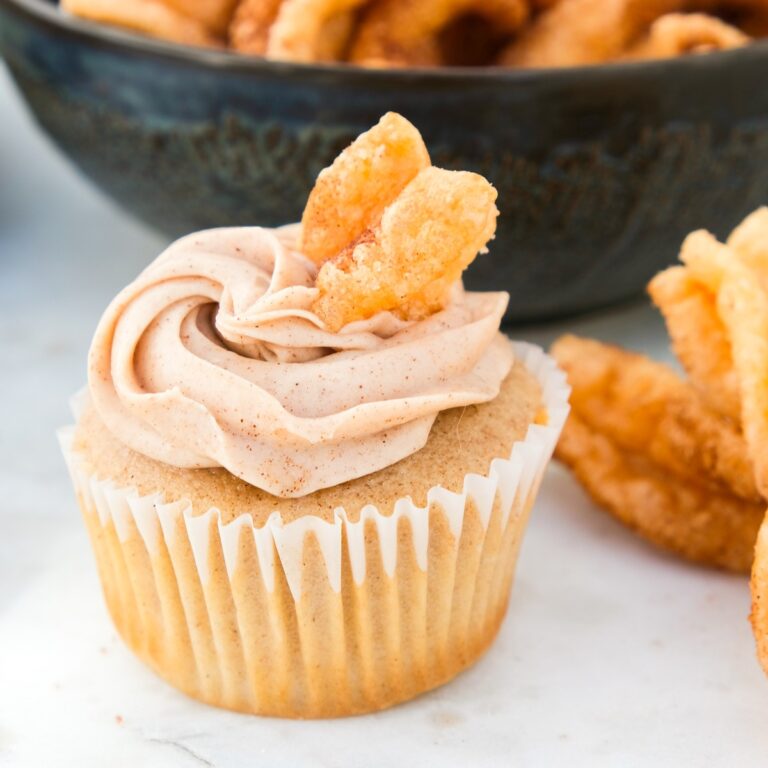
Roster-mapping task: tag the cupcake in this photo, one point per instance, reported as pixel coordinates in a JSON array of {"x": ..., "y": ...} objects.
[{"x": 306, "y": 456}]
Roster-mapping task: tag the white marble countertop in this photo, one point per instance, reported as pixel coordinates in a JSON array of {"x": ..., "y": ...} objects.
[{"x": 611, "y": 655}]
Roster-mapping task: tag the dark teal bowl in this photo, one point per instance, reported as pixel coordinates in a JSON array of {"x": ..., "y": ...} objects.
[{"x": 601, "y": 171}]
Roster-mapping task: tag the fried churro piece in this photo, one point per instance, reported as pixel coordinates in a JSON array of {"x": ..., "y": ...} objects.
[
  {"x": 250, "y": 26},
  {"x": 408, "y": 262},
  {"x": 311, "y": 30},
  {"x": 677, "y": 515},
  {"x": 576, "y": 32},
  {"x": 737, "y": 275},
  {"x": 687, "y": 298},
  {"x": 351, "y": 194},
  {"x": 214, "y": 14},
  {"x": 750, "y": 240},
  {"x": 645, "y": 407},
  {"x": 759, "y": 586},
  {"x": 151, "y": 17},
  {"x": 407, "y": 32},
  {"x": 690, "y": 312},
  {"x": 677, "y": 34},
  {"x": 743, "y": 305},
  {"x": 390, "y": 232}
]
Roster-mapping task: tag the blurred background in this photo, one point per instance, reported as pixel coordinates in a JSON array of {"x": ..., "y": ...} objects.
[{"x": 64, "y": 250}]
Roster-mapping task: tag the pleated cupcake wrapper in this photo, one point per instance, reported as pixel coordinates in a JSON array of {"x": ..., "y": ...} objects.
[{"x": 317, "y": 618}]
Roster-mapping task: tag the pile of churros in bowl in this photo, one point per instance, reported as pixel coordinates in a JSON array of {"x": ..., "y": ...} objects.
[
  {"x": 431, "y": 33},
  {"x": 683, "y": 460},
  {"x": 217, "y": 112}
]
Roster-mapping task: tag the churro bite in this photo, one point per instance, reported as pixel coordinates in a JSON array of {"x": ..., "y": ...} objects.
[
  {"x": 677, "y": 34},
  {"x": 647, "y": 447},
  {"x": 351, "y": 194},
  {"x": 408, "y": 261},
  {"x": 312, "y": 30},
  {"x": 690, "y": 311},
  {"x": 293, "y": 30},
  {"x": 433, "y": 33},
  {"x": 251, "y": 24},
  {"x": 308, "y": 435},
  {"x": 684, "y": 461},
  {"x": 576, "y": 32},
  {"x": 403, "y": 32},
  {"x": 215, "y": 15},
  {"x": 733, "y": 278},
  {"x": 201, "y": 23},
  {"x": 392, "y": 233}
]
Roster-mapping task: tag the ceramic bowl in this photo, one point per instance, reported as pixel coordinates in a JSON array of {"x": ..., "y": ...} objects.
[{"x": 601, "y": 171}]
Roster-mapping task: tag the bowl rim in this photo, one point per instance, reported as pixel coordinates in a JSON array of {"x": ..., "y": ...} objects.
[{"x": 48, "y": 13}]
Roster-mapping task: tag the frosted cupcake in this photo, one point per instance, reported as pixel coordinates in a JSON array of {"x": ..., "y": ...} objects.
[{"x": 307, "y": 456}]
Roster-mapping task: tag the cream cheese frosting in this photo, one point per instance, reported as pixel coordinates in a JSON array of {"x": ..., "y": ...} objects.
[{"x": 213, "y": 357}]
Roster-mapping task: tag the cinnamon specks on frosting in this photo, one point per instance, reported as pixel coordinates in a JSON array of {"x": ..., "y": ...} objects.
[{"x": 213, "y": 357}]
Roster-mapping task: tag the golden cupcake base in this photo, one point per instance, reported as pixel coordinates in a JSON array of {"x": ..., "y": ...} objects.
[{"x": 316, "y": 618}]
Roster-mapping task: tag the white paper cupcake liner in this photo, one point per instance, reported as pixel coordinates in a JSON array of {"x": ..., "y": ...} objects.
[{"x": 316, "y": 618}]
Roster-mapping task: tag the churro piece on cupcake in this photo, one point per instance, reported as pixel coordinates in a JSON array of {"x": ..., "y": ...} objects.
[
  {"x": 390, "y": 232},
  {"x": 351, "y": 194},
  {"x": 408, "y": 262}
]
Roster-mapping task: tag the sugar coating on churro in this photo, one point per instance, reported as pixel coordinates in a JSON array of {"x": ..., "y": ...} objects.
[{"x": 352, "y": 193}]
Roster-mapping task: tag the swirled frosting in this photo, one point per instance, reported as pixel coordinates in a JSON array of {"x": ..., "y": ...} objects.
[{"x": 213, "y": 357}]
